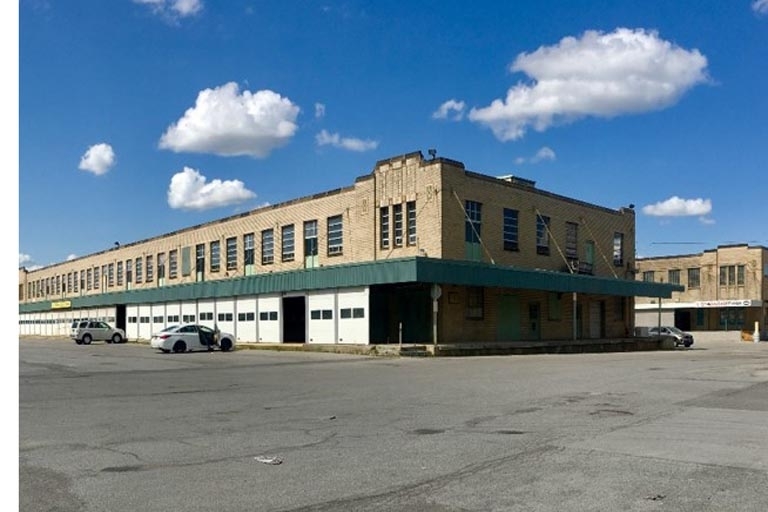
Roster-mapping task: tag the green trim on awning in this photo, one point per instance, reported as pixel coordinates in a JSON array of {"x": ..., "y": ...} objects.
[{"x": 405, "y": 270}]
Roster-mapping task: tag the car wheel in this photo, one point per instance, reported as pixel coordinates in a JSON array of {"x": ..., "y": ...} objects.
[
  {"x": 179, "y": 346},
  {"x": 116, "y": 338},
  {"x": 225, "y": 344},
  {"x": 164, "y": 350},
  {"x": 687, "y": 345},
  {"x": 79, "y": 342},
  {"x": 87, "y": 339}
]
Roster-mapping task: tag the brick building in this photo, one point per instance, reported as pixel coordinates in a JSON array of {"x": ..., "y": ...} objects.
[
  {"x": 726, "y": 289},
  {"x": 417, "y": 250}
]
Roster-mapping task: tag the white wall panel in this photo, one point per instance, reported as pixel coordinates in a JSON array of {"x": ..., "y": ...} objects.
[
  {"x": 145, "y": 319},
  {"x": 158, "y": 313},
  {"x": 172, "y": 313},
  {"x": 204, "y": 308},
  {"x": 225, "y": 315},
  {"x": 353, "y": 315},
  {"x": 188, "y": 312},
  {"x": 131, "y": 322},
  {"x": 269, "y": 316},
  {"x": 322, "y": 317},
  {"x": 246, "y": 319}
]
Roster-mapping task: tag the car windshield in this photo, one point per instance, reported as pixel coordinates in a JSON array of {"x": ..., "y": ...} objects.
[
  {"x": 675, "y": 330},
  {"x": 170, "y": 328}
]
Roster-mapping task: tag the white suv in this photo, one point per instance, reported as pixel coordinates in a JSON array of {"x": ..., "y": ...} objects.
[{"x": 86, "y": 331}]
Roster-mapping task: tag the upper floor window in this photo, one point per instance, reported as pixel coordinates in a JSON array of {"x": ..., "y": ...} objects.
[
  {"x": 473, "y": 222},
  {"x": 384, "y": 227},
  {"x": 249, "y": 248},
  {"x": 111, "y": 274},
  {"x": 310, "y": 238},
  {"x": 119, "y": 275},
  {"x": 96, "y": 278},
  {"x": 673, "y": 276},
  {"x": 542, "y": 234},
  {"x": 410, "y": 217},
  {"x": 267, "y": 247},
  {"x": 139, "y": 270},
  {"x": 397, "y": 212},
  {"x": 150, "y": 268},
  {"x": 173, "y": 263},
  {"x": 335, "y": 235},
  {"x": 161, "y": 265},
  {"x": 215, "y": 248},
  {"x": 128, "y": 271},
  {"x": 694, "y": 278},
  {"x": 649, "y": 276},
  {"x": 289, "y": 243},
  {"x": 231, "y": 253},
  {"x": 740, "y": 275},
  {"x": 571, "y": 241},
  {"x": 618, "y": 249},
  {"x": 200, "y": 258},
  {"x": 510, "y": 231}
]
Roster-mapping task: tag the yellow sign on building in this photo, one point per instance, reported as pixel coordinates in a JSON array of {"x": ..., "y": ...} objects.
[{"x": 61, "y": 304}]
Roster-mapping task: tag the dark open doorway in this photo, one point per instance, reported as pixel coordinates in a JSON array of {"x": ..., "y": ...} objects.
[
  {"x": 294, "y": 320},
  {"x": 120, "y": 316}
]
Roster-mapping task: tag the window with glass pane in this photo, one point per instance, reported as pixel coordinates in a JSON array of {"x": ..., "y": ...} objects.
[
  {"x": 267, "y": 247},
  {"x": 139, "y": 270},
  {"x": 673, "y": 276},
  {"x": 649, "y": 276},
  {"x": 618, "y": 249},
  {"x": 69, "y": 281},
  {"x": 96, "y": 278},
  {"x": 510, "y": 232},
  {"x": 289, "y": 243},
  {"x": 248, "y": 248},
  {"x": 111, "y": 274},
  {"x": 410, "y": 218},
  {"x": 200, "y": 258},
  {"x": 232, "y": 253},
  {"x": 89, "y": 281},
  {"x": 215, "y": 248},
  {"x": 731, "y": 274},
  {"x": 310, "y": 238},
  {"x": 150, "y": 269},
  {"x": 473, "y": 222},
  {"x": 397, "y": 213},
  {"x": 75, "y": 281},
  {"x": 723, "y": 276},
  {"x": 475, "y": 303},
  {"x": 542, "y": 234},
  {"x": 571, "y": 241},
  {"x": 161, "y": 265},
  {"x": 335, "y": 235},
  {"x": 173, "y": 263},
  {"x": 384, "y": 227},
  {"x": 740, "y": 275},
  {"x": 128, "y": 271},
  {"x": 694, "y": 277}
]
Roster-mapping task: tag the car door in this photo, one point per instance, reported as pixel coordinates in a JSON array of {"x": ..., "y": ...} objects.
[
  {"x": 96, "y": 331},
  {"x": 190, "y": 336}
]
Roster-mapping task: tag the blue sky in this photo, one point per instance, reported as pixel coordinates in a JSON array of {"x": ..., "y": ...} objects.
[{"x": 140, "y": 117}]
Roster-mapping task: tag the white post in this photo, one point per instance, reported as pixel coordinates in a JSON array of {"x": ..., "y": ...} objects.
[{"x": 756, "y": 334}]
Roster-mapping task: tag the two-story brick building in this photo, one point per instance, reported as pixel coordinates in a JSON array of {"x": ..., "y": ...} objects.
[
  {"x": 726, "y": 289},
  {"x": 418, "y": 250}
]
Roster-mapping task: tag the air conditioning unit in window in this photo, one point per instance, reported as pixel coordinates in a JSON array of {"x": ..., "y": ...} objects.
[
  {"x": 335, "y": 249},
  {"x": 398, "y": 240}
]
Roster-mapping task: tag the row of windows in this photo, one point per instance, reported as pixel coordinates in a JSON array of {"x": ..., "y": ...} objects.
[
  {"x": 142, "y": 269},
  {"x": 730, "y": 275},
  {"x": 511, "y": 231},
  {"x": 315, "y": 314},
  {"x": 395, "y": 233}
]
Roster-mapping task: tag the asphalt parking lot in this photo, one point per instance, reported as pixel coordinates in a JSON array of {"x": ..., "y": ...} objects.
[{"x": 120, "y": 428}]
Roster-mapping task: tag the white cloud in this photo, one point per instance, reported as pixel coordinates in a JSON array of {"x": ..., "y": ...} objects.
[
  {"x": 189, "y": 191},
  {"x": 71, "y": 257},
  {"x": 173, "y": 8},
  {"x": 334, "y": 139},
  {"x": 98, "y": 159},
  {"x": 602, "y": 75},
  {"x": 760, "y": 6},
  {"x": 319, "y": 110},
  {"x": 227, "y": 123},
  {"x": 542, "y": 154},
  {"x": 447, "y": 107},
  {"x": 678, "y": 207},
  {"x": 24, "y": 258}
]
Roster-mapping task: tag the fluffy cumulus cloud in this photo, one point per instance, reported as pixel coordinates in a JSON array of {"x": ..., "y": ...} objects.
[
  {"x": 173, "y": 8},
  {"x": 319, "y": 111},
  {"x": 541, "y": 155},
  {"x": 450, "y": 109},
  {"x": 598, "y": 74},
  {"x": 189, "y": 191},
  {"x": 24, "y": 258},
  {"x": 678, "y": 207},
  {"x": 98, "y": 159},
  {"x": 760, "y": 6},
  {"x": 324, "y": 138},
  {"x": 71, "y": 257},
  {"x": 226, "y": 122}
]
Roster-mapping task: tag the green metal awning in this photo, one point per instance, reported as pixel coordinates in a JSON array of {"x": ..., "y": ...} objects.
[{"x": 405, "y": 270}]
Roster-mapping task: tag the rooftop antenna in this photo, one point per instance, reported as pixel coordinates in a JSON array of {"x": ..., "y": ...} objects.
[{"x": 432, "y": 153}]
